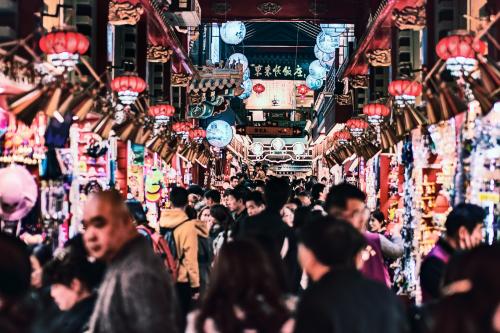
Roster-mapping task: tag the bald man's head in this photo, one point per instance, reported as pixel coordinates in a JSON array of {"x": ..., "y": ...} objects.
[{"x": 107, "y": 223}]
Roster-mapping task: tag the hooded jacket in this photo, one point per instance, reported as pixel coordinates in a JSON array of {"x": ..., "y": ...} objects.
[{"x": 186, "y": 242}]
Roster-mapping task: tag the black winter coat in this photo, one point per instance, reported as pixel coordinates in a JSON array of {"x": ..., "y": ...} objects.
[{"x": 343, "y": 301}]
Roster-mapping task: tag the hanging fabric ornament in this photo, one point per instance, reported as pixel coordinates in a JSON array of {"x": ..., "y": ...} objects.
[
  {"x": 233, "y": 32},
  {"x": 313, "y": 83}
]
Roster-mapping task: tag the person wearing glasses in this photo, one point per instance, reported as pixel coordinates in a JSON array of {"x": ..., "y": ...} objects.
[{"x": 347, "y": 202}]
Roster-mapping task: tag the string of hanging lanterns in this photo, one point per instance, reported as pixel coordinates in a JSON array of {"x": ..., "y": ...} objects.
[{"x": 162, "y": 112}]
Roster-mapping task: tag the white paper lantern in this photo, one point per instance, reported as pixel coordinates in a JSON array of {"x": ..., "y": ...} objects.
[
  {"x": 233, "y": 32},
  {"x": 329, "y": 29},
  {"x": 219, "y": 133},
  {"x": 326, "y": 64},
  {"x": 257, "y": 148},
  {"x": 327, "y": 43},
  {"x": 247, "y": 85},
  {"x": 299, "y": 148},
  {"x": 278, "y": 144},
  {"x": 313, "y": 83},
  {"x": 316, "y": 70},
  {"x": 238, "y": 58},
  {"x": 322, "y": 56}
]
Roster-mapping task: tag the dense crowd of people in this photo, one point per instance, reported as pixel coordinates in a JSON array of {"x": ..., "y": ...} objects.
[{"x": 269, "y": 254}]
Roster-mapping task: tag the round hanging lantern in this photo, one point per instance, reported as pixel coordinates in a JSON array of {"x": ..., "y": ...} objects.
[
  {"x": 182, "y": 127},
  {"x": 405, "y": 91},
  {"x": 316, "y": 70},
  {"x": 326, "y": 64},
  {"x": 128, "y": 87},
  {"x": 320, "y": 55},
  {"x": 298, "y": 149},
  {"x": 278, "y": 144},
  {"x": 327, "y": 43},
  {"x": 342, "y": 137},
  {"x": 233, "y": 32},
  {"x": 356, "y": 126},
  {"x": 302, "y": 90},
  {"x": 313, "y": 83},
  {"x": 64, "y": 48},
  {"x": 238, "y": 58},
  {"x": 219, "y": 133},
  {"x": 376, "y": 112},
  {"x": 257, "y": 148},
  {"x": 259, "y": 88},
  {"x": 197, "y": 134},
  {"x": 162, "y": 112},
  {"x": 330, "y": 29},
  {"x": 247, "y": 86},
  {"x": 459, "y": 50},
  {"x": 246, "y": 74}
]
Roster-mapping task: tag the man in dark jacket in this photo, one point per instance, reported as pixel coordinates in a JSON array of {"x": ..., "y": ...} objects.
[
  {"x": 463, "y": 231},
  {"x": 268, "y": 227},
  {"x": 340, "y": 299},
  {"x": 136, "y": 294},
  {"x": 236, "y": 204}
]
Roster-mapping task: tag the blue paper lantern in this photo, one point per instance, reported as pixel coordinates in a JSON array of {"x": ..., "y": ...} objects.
[
  {"x": 322, "y": 56},
  {"x": 327, "y": 43},
  {"x": 247, "y": 85},
  {"x": 246, "y": 74},
  {"x": 316, "y": 70},
  {"x": 233, "y": 32},
  {"x": 238, "y": 58},
  {"x": 313, "y": 83}
]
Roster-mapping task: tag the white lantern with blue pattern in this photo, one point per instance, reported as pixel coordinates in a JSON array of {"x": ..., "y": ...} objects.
[
  {"x": 329, "y": 29},
  {"x": 316, "y": 70},
  {"x": 327, "y": 64},
  {"x": 238, "y": 58},
  {"x": 233, "y": 32},
  {"x": 313, "y": 83},
  {"x": 247, "y": 85},
  {"x": 322, "y": 56},
  {"x": 327, "y": 43}
]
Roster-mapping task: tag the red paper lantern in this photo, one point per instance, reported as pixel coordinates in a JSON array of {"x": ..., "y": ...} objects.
[
  {"x": 162, "y": 111},
  {"x": 259, "y": 88},
  {"x": 356, "y": 126},
  {"x": 342, "y": 137},
  {"x": 459, "y": 50},
  {"x": 128, "y": 87},
  {"x": 197, "y": 134},
  {"x": 182, "y": 127},
  {"x": 63, "y": 48},
  {"x": 405, "y": 87},
  {"x": 302, "y": 89},
  {"x": 376, "y": 112}
]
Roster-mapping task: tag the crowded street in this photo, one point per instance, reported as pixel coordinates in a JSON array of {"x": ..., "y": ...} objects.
[{"x": 249, "y": 166}]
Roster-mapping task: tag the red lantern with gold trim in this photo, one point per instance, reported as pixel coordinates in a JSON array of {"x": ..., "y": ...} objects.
[
  {"x": 128, "y": 87},
  {"x": 162, "y": 112},
  {"x": 356, "y": 126},
  {"x": 64, "y": 48},
  {"x": 376, "y": 112},
  {"x": 342, "y": 137}
]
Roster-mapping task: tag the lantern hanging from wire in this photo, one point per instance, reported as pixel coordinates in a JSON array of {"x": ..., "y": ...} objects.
[
  {"x": 313, "y": 83},
  {"x": 342, "y": 137},
  {"x": 238, "y": 58},
  {"x": 64, "y": 48},
  {"x": 356, "y": 126},
  {"x": 259, "y": 88},
  {"x": 459, "y": 49},
  {"x": 376, "y": 112},
  {"x": 162, "y": 112},
  {"x": 182, "y": 127},
  {"x": 233, "y": 32},
  {"x": 405, "y": 92},
  {"x": 128, "y": 87},
  {"x": 327, "y": 43},
  {"x": 316, "y": 70}
]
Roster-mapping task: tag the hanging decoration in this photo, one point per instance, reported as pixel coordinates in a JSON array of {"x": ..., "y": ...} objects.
[
  {"x": 459, "y": 50},
  {"x": 128, "y": 87},
  {"x": 376, "y": 112},
  {"x": 316, "y": 70},
  {"x": 197, "y": 134},
  {"x": 247, "y": 89},
  {"x": 405, "y": 91},
  {"x": 162, "y": 112},
  {"x": 257, "y": 148},
  {"x": 259, "y": 88},
  {"x": 313, "y": 83},
  {"x": 320, "y": 55},
  {"x": 64, "y": 48},
  {"x": 327, "y": 43},
  {"x": 219, "y": 133},
  {"x": 238, "y": 58},
  {"x": 342, "y": 137},
  {"x": 302, "y": 90},
  {"x": 182, "y": 127},
  {"x": 356, "y": 126},
  {"x": 299, "y": 148},
  {"x": 233, "y": 32}
]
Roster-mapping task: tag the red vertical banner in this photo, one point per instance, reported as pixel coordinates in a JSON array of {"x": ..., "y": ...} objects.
[{"x": 384, "y": 162}]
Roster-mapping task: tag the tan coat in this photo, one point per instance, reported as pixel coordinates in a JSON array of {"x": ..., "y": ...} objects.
[{"x": 186, "y": 242}]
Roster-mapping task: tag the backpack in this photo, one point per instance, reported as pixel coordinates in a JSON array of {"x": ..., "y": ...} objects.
[
  {"x": 161, "y": 248},
  {"x": 168, "y": 236}
]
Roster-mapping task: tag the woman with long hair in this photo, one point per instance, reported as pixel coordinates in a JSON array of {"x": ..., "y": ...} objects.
[
  {"x": 244, "y": 294},
  {"x": 222, "y": 222}
]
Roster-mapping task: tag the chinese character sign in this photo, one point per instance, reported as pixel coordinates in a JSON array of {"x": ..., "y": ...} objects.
[{"x": 273, "y": 71}]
